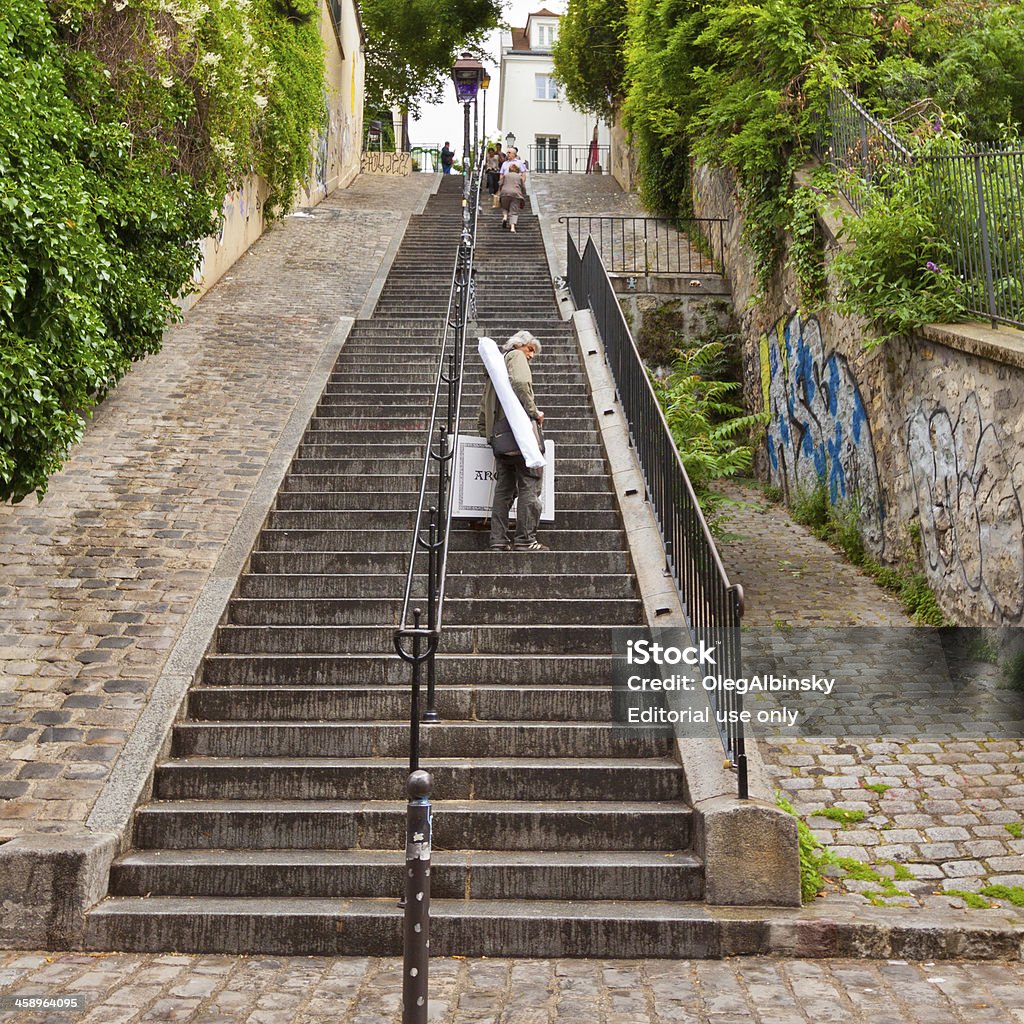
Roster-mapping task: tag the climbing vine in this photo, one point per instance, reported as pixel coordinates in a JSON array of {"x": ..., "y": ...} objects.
[{"x": 122, "y": 122}]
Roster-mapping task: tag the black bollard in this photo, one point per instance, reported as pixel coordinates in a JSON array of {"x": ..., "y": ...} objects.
[{"x": 416, "y": 943}]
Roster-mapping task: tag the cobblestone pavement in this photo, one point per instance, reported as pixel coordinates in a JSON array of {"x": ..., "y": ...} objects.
[
  {"x": 121, "y": 989},
  {"x": 97, "y": 581},
  {"x": 949, "y": 810}
]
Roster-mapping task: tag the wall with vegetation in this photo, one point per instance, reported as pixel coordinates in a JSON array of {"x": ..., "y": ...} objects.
[
  {"x": 334, "y": 155},
  {"x": 922, "y": 438},
  {"x": 123, "y": 125}
]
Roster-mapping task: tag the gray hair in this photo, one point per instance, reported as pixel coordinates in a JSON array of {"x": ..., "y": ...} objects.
[{"x": 521, "y": 338}]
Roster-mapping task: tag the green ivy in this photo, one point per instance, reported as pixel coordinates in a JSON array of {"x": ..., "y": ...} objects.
[{"x": 121, "y": 126}]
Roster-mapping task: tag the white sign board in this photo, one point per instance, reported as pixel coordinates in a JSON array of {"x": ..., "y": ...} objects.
[{"x": 474, "y": 480}]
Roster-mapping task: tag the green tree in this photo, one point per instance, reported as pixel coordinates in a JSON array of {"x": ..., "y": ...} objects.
[
  {"x": 411, "y": 46},
  {"x": 589, "y": 55}
]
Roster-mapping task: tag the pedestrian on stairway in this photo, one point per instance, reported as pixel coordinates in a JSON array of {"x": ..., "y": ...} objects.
[
  {"x": 447, "y": 158},
  {"x": 493, "y": 170},
  {"x": 514, "y": 477},
  {"x": 513, "y": 196},
  {"x": 513, "y": 157}
]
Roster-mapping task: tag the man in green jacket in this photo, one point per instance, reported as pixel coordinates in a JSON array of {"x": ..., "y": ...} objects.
[{"x": 514, "y": 477}]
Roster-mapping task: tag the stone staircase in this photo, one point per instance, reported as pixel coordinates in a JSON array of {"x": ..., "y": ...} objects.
[{"x": 277, "y": 820}]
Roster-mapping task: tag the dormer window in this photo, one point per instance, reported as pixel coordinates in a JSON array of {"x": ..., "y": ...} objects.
[{"x": 544, "y": 35}]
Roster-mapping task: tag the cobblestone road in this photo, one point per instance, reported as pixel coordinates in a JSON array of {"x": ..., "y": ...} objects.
[
  {"x": 98, "y": 580},
  {"x": 123, "y": 989}
]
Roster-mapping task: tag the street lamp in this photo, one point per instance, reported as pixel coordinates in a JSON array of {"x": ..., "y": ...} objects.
[
  {"x": 510, "y": 141},
  {"x": 466, "y": 74},
  {"x": 485, "y": 82}
]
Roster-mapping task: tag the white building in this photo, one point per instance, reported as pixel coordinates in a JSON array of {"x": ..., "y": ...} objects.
[{"x": 552, "y": 135}]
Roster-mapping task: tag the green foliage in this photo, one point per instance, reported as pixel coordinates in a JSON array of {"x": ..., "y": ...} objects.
[
  {"x": 842, "y": 815},
  {"x": 897, "y": 273},
  {"x": 839, "y": 525},
  {"x": 1016, "y": 829},
  {"x": 120, "y": 126},
  {"x": 813, "y": 856},
  {"x": 589, "y": 55},
  {"x": 972, "y": 899},
  {"x": 411, "y": 46},
  {"x": 1013, "y": 893},
  {"x": 807, "y": 247},
  {"x": 710, "y": 430},
  {"x": 877, "y": 787}
]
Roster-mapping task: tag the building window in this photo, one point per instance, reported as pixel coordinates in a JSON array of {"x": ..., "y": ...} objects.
[
  {"x": 546, "y": 87},
  {"x": 545, "y": 37}
]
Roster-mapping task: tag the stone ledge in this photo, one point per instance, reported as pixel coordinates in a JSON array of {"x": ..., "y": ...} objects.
[
  {"x": 999, "y": 344},
  {"x": 749, "y": 846}
]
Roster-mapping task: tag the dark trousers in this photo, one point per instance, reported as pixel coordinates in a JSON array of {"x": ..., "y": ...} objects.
[{"x": 514, "y": 479}]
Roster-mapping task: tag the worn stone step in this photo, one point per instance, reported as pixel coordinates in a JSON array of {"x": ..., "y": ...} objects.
[
  {"x": 376, "y": 639},
  {"x": 398, "y": 539},
  {"x": 378, "y": 824},
  {"x": 480, "y": 874},
  {"x": 408, "y": 483},
  {"x": 385, "y": 778},
  {"x": 400, "y": 499},
  {"x": 367, "y": 670},
  {"x": 391, "y": 739},
  {"x": 505, "y": 587},
  {"x": 530, "y": 563},
  {"x": 465, "y": 928},
  {"x": 390, "y": 702},
  {"x": 474, "y": 928}
]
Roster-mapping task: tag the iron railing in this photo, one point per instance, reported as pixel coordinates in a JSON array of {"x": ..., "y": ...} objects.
[
  {"x": 713, "y": 606},
  {"x": 976, "y": 195},
  {"x": 567, "y": 159},
  {"x": 417, "y": 641},
  {"x": 652, "y": 245}
]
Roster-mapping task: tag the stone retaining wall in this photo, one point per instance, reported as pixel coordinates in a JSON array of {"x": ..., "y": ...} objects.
[{"x": 925, "y": 433}]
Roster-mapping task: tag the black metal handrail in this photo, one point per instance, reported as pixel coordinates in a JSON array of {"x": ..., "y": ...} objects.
[
  {"x": 416, "y": 641},
  {"x": 712, "y": 605},
  {"x": 566, "y": 158},
  {"x": 652, "y": 245}
]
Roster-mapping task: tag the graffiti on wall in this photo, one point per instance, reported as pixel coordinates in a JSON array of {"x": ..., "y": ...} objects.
[
  {"x": 818, "y": 427},
  {"x": 398, "y": 164},
  {"x": 972, "y": 524}
]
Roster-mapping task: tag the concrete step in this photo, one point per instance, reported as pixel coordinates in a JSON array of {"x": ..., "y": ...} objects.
[
  {"x": 522, "y": 669},
  {"x": 384, "y": 778},
  {"x": 564, "y": 483},
  {"x": 379, "y": 825},
  {"x": 474, "y": 928},
  {"x": 382, "y": 539},
  {"x": 391, "y": 703},
  {"x": 371, "y": 611},
  {"x": 391, "y": 739},
  {"x": 398, "y": 499},
  {"x": 479, "y": 875},
  {"x": 529, "y": 563},
  {"x": 506, "y": 587}
]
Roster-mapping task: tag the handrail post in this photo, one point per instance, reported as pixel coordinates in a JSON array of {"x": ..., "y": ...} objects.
[
  {"x": 416, "y": 930},
  {"x": 433, "y": 566},
  {"x": 414, "y": 701}
]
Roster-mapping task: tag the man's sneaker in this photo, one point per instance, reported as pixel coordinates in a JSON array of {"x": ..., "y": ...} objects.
[
  {"x": 532, "y": 546},
  {"x": 500, "y": 547}
]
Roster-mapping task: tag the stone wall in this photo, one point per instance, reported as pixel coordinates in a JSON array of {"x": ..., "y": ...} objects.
[{"x": 924, "y": 434}]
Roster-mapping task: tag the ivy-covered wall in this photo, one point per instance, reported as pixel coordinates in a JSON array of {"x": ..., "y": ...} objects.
[
  {"x": 123, "y": 125},
  {"x": 924, "y": 435}
]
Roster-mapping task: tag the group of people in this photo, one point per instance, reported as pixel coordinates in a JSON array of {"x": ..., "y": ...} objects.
[{"x": 506, "y": 182}]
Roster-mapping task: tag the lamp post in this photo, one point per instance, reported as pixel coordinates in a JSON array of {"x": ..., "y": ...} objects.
[
  {"x": 466, "y": 74},
  {"x": 510, "y": 141},
  {"x": 485, "y": 82}
]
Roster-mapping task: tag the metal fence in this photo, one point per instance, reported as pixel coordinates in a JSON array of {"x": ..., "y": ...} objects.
[
  {"x": 651, "y": 245},
  {"x": 713, "y": 606},
  {"x": 566, "y": 159},
  {"x": 976, "y": 196}
]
